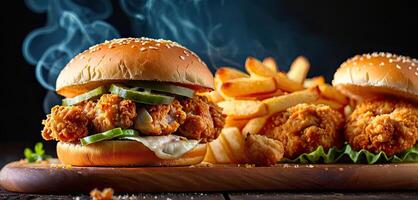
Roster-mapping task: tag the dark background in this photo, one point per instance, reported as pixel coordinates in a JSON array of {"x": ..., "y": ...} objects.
[{"x": 349, "y": 27}]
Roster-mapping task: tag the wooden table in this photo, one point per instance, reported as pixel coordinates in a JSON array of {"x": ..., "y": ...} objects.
[{"x": 11, "y": 152}]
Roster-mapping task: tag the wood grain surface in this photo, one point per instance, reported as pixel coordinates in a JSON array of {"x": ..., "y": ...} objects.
[{"x": 53, "y": 178}]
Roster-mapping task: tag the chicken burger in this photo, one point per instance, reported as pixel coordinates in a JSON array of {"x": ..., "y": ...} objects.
[
  {"x": 133, "y": 102},
  {"x": 386, "y": 116}
]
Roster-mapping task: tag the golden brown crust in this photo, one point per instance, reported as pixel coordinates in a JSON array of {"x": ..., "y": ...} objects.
[
  {"x": 121, "y": 153},
  {"x": 383, "y": 125},
  {"x": 124, "y": 59},
  {"x": 378, "y": 74},
  {"x": 304, "y": 127}
]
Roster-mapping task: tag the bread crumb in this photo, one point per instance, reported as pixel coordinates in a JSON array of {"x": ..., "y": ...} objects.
[{"x": 106, "y": 194}]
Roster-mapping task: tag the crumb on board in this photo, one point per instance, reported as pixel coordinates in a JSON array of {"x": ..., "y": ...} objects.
[
  {"x": 106, "y": 194},
  {"x": 60, "y": 166}
]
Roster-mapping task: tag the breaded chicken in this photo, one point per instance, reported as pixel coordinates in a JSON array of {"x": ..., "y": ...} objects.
[
  {"x": 204, "y": 119},
  {"x": 390, "y": 126},
  {"x": 111, "y": 111},
  {"x": 166, "y": 119},
  {"x": 304, "y": 127},
  {"x": 66, "y": 124},
  {"x": 263, "y": 151}
]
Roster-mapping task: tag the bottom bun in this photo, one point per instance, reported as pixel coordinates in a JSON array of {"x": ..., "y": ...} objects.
[{"x": 122, "y": 153}]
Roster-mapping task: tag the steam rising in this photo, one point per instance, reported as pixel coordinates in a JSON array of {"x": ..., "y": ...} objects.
[
  {"x": 71, "y": 28},
  {"x": 221, "y": 32}
]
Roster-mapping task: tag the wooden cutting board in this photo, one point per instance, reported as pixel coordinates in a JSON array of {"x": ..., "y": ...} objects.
[{"x": 53, "y": 178}]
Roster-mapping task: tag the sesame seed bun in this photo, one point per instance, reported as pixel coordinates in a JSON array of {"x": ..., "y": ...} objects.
[
  {"x": 120, "y": 153},
  {"x": 125, "y": 59},
  {"x": 378, "y": 74}
]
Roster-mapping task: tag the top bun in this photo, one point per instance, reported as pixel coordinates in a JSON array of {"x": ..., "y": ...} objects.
[
  {"x": 378, "y": 74},
  {"x": 125, "y": 59}
]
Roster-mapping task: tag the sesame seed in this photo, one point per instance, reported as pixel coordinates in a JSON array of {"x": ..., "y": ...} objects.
[
  {"x": 182, "y": 57},
  {"x": 382, "y": 63},
  {"x": 397, "y": 66},
  {"x": 152, "y": 47},
  {"x": 416, "y": 73},
  {"x": 142, "y": 49},
  {"x": 413, "y": 64},
  {"x": 410, "y": 68},
  {"x": 132, "y": 46},
  {"x": 391, "y": 60}
]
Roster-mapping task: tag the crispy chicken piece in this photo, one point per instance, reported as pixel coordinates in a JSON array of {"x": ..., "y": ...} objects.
[
  {"x": 66, "y": 124},
  {"x": 263, "y": 151},
  {"x": 88, "y": 109},
  {"x": 111, "y": 111},
  {"x": 204, "y": 119},
  {"x": 304, "y": 127},
  {"x": 166, "y": 119},
  {"x": 390, "y": 126}
]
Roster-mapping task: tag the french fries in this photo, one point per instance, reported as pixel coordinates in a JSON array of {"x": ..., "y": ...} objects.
[
  {"x": 213, "y": 96},
  {"x": 249, "y": 99},
  {"x": 248, "y": 86},
  {"x": 287, "y": 84},
  {"x": 299, "y": 69},
  {"x": 255, "y": 125},
  {"x": 331, "y": 93},
  {"x": 334, "y": 105},
  {"x": 314, "y": 81},
  {"x": 243, "y": 109},
  {"x": 271, "y": 64},
  {"x": 226, "y": 73},
  {"x": 280, "y": 103},
  {"x": 238, "y": 123},
  {"x": 257, "y": 68}
]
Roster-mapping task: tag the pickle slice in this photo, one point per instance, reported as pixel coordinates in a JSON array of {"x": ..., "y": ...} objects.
[
  {"x": 140, "y": 97},
  {"x": 85, "y": 96},
  {"x": 164, "y": 87},
  {"x": 107, "y": 135}
]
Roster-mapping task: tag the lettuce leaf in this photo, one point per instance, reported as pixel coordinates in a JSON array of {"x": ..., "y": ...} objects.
[
  {"x": 166, "y": 147},
  {"x": 347, "y": 155}
]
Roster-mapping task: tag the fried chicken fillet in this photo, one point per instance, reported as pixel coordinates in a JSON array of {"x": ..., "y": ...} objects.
[
  {"x": 385, "y": 125},
  {"x": 305, "y": 127},
  {"x": 193, "y": 118}
]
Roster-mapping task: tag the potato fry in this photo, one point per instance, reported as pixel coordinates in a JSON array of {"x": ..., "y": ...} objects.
[
  {"x": 329, "y": 92},
  {"x": 232, "y": 122},
  {"x": 213, "y": 96},
  {"x": 254, "y": 125},
  {"x": 247, "y": 86},
  {"x": 220, "y": 153},
  {"x": 234, "y": 140},
  {"x": 314, "y": 81},
  {"x": 287, "y": 84},
  {"x": 348, "y": 109},
  {"x": 226, "y": 73},
  {"x": 271, "y": 64},
  {"x": 299, "y": 69},
  {"x": 262, "y": 96},
  {"x": 209, "y": 155},
  {"x": 333, "y": 104},
  {"x": 256, "y": 68},
  {"x": 280, "y": 103},
  {"x": 243, "y": 109}
]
